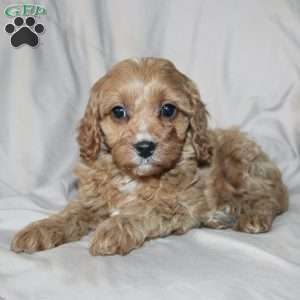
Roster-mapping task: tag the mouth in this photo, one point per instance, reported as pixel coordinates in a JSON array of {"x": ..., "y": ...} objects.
[
  {"x": 146, "y": 161},
  {"x": 147, "y": 166},
  {"x": 138, "y": 166}
]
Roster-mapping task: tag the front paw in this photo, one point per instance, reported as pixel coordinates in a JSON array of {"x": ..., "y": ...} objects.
[
  {"x": 253, "y": 223},
  {"x": 38, "y": 236},
  {"x": 117, "y": 235}
]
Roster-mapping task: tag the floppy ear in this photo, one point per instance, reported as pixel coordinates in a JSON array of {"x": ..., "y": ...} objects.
[
  {"x": 89, "y": 134},
  {"x": 198, "y": 125}
]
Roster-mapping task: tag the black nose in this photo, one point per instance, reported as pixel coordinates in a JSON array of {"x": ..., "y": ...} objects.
[{"x": 144, "y": 148}]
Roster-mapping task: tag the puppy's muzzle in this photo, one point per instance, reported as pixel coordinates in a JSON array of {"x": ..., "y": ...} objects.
[{"x": 144, "y": 148}]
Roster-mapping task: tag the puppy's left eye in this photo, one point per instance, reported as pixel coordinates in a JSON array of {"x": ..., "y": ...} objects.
[
  {"x": 119, "y": 112},
  {"x": 167, "y": 111}
]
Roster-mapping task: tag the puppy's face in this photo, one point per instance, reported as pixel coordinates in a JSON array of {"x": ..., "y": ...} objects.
[{"x": 143, "y": 110}]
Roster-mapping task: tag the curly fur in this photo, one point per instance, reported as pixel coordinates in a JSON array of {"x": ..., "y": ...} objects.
[{"x": 196, "y": 177}]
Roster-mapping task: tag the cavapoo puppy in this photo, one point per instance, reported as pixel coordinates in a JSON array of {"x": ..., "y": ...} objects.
[{"x": 150, "y": 167}]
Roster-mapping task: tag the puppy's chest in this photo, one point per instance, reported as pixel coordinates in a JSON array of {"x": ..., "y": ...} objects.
[
  {"x": 127, "y": 187},
  {"x": 131, "y": 189},
  {"x": 119, "y": 190},
  {"x": 168, "y": 190}
]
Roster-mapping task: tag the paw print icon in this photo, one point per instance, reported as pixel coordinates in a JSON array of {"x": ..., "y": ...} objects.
[{"x": 24, "y": 31}]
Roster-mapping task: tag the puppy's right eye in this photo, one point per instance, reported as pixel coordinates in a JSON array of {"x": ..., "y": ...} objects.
[
  {"x": 167, "y": 111},
  {"x": 119, "y": 112}
]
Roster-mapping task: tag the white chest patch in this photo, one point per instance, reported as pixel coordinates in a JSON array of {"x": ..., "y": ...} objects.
[
  {"x": 126, "y": 185},
  {"x": 114, "y": 212}
]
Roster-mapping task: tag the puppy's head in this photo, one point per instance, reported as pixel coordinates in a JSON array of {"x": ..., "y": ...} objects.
[{"x": 142, "y": 110}]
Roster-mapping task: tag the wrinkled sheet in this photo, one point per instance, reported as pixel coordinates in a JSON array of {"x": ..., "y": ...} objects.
[{"x": 244, "y": 57}]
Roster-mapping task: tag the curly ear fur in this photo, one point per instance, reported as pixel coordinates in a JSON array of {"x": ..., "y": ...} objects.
[
  {"x": 198, "y": 124},
  {"x": 89, "y": 133}
]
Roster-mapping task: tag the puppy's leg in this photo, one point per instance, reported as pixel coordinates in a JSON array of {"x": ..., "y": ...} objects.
[
  {"x": 257, "y": 214},
  {"x": 265, "y": 196},
  {"x": 252, "y": 207},
  {"x": 118, "y": 235},
  {"x": 122, "y": 233},
  {"x": 69, "y": 225},
  {"x": 245, "y": 185},
  {"x": 254, "y": 218},
  {"x": 224, "y": 217}
]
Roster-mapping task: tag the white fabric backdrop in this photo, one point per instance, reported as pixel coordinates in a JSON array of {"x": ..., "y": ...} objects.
[{"x": 245, "y": 58}]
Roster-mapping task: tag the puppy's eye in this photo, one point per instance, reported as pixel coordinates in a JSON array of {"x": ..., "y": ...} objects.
[
  {"x": 167, "y": 110},
  {"x": 119, "y": 112}
]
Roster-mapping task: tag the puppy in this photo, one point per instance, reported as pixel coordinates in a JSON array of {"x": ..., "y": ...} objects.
[{"x": 150, "y": 167}]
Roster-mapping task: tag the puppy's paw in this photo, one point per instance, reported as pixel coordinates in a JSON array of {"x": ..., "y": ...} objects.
[
  {"x": 253, "y": 223},
  {"x": 38, "y": 236},
  {"x": 222, "y": 218},
  {"x": 116, "y": 235}
]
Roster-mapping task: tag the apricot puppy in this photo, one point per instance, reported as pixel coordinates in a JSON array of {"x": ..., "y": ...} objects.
[{"x": 150, "y": 167}]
